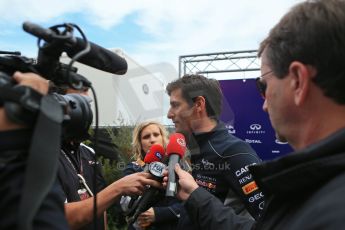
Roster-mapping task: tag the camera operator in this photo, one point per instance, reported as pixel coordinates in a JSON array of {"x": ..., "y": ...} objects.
[
  {"x": 76, "y": 173},
  {"x": 15, "y": 141}
]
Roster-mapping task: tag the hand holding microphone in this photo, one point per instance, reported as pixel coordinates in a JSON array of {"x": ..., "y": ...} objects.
[
  {"x": 155, "y": 167},
  {"x": 175, "y": 150},
  {"x": 149, "y": 198}
]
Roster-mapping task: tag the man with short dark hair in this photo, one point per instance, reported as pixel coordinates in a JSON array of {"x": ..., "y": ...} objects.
[
  {"x": 76, "y": 175},
  {"x": 302, "y": 83},
  {"x": 219, "y": 160}
]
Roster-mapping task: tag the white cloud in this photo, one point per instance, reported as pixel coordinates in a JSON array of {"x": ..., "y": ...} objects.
[
  {"x": 206, "y": 26},
  {"x": 176, "y": 27}
]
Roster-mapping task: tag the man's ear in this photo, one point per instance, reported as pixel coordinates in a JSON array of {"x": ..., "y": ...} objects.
[
  {"x": 200, "y": 103},
  {"x": 301, "y": 77}
]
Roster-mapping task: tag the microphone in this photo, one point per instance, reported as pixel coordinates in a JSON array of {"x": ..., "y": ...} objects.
[
  {"x": 150, "y": 196},
  {"x": 175, "y": 150},
  {"x": 98, "y": 57},
  {"x": 155, "y": 153}
]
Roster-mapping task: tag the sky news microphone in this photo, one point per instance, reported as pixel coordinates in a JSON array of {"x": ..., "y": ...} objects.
[
  {"x": 98, "y": 57},
  {"x": 150, "y": 196},
  {"x": 155, "y": 153},
  {"x": 175, "y": 151}
]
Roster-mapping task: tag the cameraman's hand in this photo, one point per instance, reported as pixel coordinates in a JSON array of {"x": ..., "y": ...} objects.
[
  {"x": 32, "y": 80},
  {"x": 186, "y": 182},
  {"x": 135, "y": 183}
]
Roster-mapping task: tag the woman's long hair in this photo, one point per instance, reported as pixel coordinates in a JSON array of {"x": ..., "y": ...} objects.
[{"x": 136, "y": 143}]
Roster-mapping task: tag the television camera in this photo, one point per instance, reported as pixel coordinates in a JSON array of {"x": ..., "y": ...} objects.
[
  {"x": 22, "y": 103},
  {"x": 53, "y": 116}
]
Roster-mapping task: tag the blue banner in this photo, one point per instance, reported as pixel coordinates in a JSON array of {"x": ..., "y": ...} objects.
[{"x": 243, "y": 115}]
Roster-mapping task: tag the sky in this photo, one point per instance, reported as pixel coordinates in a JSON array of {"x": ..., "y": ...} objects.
[{"x": 149, "y": 31}]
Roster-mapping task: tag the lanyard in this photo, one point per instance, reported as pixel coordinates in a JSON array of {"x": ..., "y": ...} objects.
[
  {"x": 80, "y": 175},
  {"x": 69, "y": 160}
]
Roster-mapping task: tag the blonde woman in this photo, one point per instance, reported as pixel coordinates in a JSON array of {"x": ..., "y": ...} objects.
[
  {"x": 144, "y": 136},
  {"x": 166, "y": 212}
]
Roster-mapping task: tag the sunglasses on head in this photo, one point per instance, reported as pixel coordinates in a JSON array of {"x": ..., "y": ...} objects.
[{"x": 261, "y": 84}]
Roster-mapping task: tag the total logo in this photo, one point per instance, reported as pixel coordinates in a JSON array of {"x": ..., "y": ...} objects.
[
  {"x": 250, "y": 141},
  {"x": 231, "y": 129},
  {"x": 181, "y": 142},
  {"x": 255, "y": 129}
]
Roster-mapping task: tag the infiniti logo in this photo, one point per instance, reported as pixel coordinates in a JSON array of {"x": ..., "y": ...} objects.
[
  {"x": 280, "y": 142},
  {"x": 255, "y": 127}
]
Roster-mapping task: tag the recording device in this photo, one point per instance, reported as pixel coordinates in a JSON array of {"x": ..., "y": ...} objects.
[
  {"x": 155, "y": 154},
  {"x": 96, "y": 57},
  {"x": 150, "y": 196},
  {"x": 45, "y": 114},
  {"x": 22, "y": 104},
  {"x": 175, "y": 151}
]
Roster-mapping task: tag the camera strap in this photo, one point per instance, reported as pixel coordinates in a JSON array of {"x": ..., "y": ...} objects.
[{"x": 42, "y": 162}]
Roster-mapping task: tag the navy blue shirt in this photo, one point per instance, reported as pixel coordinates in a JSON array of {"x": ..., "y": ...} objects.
[
  {"x": 14, "y": 147},
  {"x": 79, "y": 160},
  {"x": 220, "y": 164},
  {"x": 166, "y": 209}
]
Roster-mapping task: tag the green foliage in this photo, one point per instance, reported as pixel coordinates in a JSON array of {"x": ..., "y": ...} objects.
[
  {"x": 122, "y": 138},
  {"x": 112, "y": 170}
]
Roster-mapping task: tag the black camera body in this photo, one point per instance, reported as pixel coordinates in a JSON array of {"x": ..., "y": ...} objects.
[
  {"x": 53, "y": 118},
  {"x": 22, "y": 103}
]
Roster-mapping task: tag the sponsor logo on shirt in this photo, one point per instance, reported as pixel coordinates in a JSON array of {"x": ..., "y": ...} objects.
[
  {"x": 261, "y": 205},
  {"x": 242, "y": 170},
  {"x": 244, "y": 179},
  {"x": 205, "y": 184},
  {"x": 256, "y": 197},
  {"x": 249, "y": 188}
]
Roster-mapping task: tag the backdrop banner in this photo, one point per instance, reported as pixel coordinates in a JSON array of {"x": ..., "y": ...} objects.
[{"x": 243, "y": 115}]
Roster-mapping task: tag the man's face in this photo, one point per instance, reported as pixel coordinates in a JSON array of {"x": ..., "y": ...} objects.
[
  {"x": 278, "y": 100},
  {"x": 84, "y": 92},
  {"x": 180, "y": 112}
]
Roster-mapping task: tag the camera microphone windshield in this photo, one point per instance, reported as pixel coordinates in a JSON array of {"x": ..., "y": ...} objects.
[{"x": 98, "y": 57}]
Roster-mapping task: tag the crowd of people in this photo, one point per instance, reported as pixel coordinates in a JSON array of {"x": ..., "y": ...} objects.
[{"x": 302, "y": 79}]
